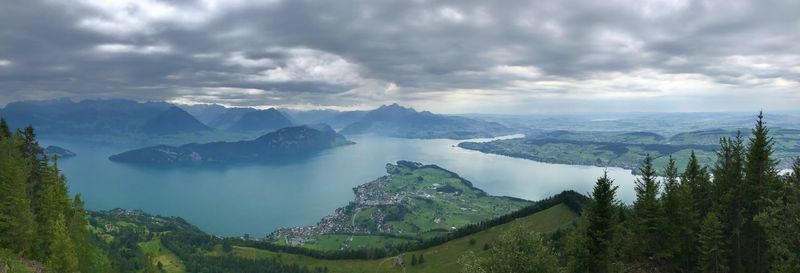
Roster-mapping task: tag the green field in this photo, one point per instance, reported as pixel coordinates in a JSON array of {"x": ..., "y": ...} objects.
[
  {"x": 441, "y": 258},
  {"x": 334, "y": 241},
  {"x": 159, "y": 254}
]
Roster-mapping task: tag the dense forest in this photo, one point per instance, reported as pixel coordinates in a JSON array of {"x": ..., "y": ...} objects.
[
  {"x": 38, "y": 220},
  {"x": 739, "y": 215}
]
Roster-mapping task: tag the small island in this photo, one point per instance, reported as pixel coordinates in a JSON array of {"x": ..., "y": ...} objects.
[
  {"x": 62, "y": 153},
  {"x": 283, "y": 144}
]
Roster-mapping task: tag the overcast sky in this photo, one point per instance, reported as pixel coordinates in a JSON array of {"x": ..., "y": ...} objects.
[{"x": 446, "y": 56}]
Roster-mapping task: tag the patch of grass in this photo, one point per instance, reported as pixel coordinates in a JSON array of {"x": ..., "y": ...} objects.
[
  {"x": 160, "y": 254},
  {"x": 15, "y": 265}
]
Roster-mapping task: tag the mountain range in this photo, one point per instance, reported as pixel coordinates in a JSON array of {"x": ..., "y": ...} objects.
[
  {"x": 398, "y": 121},
  {"x": 101, "y": 117},
  {"x": 127, "y": 121}
]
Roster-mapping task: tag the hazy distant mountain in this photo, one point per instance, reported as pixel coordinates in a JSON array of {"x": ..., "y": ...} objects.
[
  {"x": 336, "y": 119},
  {"x": 260, "y": 121},
  {"x": 308, "y": 116},
  {"x": 290, "y": 142},
  {"x": 205, "y": 113},
  {"x": 229, "y": 117},
  {"x": 397, "y": 121},
  {"x": 99, "y": 117},
  {"x": 344, "y": 119},
  {"x": 174, "y": 120}
]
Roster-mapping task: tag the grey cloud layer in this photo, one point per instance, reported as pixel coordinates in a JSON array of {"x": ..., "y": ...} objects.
[{"x": 356, "y": 53}]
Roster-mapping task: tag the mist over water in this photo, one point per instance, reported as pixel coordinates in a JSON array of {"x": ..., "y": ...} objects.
[{"x": 257, "y": 198}]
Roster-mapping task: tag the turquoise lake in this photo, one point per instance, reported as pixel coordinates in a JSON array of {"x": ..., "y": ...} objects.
[{"x": 257, "y": 198}]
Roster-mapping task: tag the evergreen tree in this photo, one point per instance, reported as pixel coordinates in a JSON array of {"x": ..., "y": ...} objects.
[
  {"x": 678, "y": 213},
  {"x": 712, "y": 257},
  {"x": 63, "y": 257},
  {"x": 16, "y": 218},
  {"x": 54, "y": 204},
  {"x": 590, "y": 244},
  {"x": 793, "y": 177},
  {"x": 698, "y": 183},
  {"x": 727, "y": 195},
  {"x": 79, "y": 234},
  {"x": 781, "y": 223},
  {"x": 36, "y": 185},
  {"x": 697, "y": 201},
  {"x": 4, "y": 130},
  {"x": 648, "y": 217},
  {"x": 760, "y": 186}
]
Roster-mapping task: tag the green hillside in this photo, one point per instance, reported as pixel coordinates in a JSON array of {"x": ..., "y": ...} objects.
[
  {"x": 152, "y": 243},
  {"x": 441, "y": 258}
]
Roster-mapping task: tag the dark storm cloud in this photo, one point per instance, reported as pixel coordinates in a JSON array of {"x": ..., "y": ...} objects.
[{"x": 351, "y": 52}]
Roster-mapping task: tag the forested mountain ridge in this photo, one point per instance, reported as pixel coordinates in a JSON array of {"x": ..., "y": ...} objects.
[{"x": 286, "y": 143}]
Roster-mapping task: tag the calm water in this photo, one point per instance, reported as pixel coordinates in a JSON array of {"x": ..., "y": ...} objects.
[{"x": 256, "y": 199}]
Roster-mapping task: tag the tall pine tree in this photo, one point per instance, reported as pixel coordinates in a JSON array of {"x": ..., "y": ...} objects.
[
  {"x": 760, "y": 186},
  {"x": 648, "y": 218},
  {"x": 728, "y": 198},
  {"x": 678, "y": 215},
  {"x": 698, "y": 184},
  {"x": 712, "y": 258},
  {"x": 781, "y": 223},
  {"x": 590, "y": 247},
  {"x": 63, "y": 257},
  {"x": 54, "y": 204}
]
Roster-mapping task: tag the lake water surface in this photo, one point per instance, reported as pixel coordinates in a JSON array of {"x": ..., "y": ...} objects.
[{"x": 257, "y": 198}]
